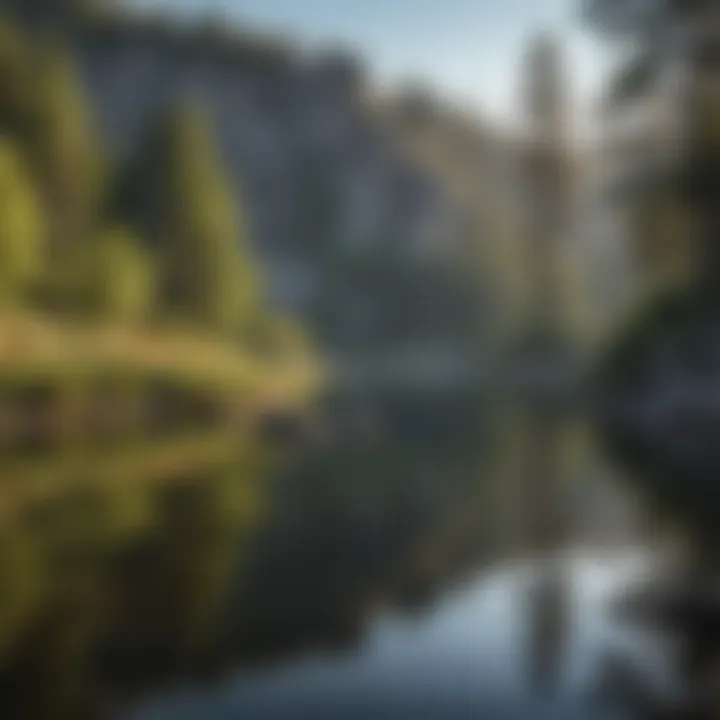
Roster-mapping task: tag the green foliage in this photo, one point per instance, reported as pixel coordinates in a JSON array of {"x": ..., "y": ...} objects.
[
  {"x": 686, "y": 184},
  {"x": 176, "y": 192},
  {"x": 66, "y": 247},
  {"x": 20, "y": 226},
  {"x": 672, "y": 320},
  {"x": 118, "y": 277},
  {"x": 15, "y": 80},
  {"x": 68, "y": 159},
  {"x": 209, "y": 277}
]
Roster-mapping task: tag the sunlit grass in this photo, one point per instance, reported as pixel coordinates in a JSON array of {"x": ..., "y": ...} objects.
[{"x": 33, "y": 347}]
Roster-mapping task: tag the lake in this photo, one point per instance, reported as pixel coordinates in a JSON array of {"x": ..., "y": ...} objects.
[{"x": 425, "y": 555}]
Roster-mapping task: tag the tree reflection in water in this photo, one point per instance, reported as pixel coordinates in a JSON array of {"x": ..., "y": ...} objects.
[
  {"x": 124, "y": 573},
  {"x": 113, "y": 584},
  {"x": 108, "y": 586}
]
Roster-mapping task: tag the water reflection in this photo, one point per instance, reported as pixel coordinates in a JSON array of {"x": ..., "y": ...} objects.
[
  {"x": 218, "y": 577},
  {"x": 460, "y": 658},
  {"x": 110, "y": 585}
]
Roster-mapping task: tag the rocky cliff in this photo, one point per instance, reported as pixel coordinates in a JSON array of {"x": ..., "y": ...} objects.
[{"x": 338, "y": 208}]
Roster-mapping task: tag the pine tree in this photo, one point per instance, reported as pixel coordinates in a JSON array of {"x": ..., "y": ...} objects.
[
  {"x": 178, "y": 195},
  {"x": 668, "y": 35},
  {"x": 20, "y": 227},
  {"x": 116, "y": 281},
  {"x": 67, "y": 158},
  {"x": 15, "y": 80}
]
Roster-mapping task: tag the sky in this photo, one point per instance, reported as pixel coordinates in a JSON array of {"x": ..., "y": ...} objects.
[{"x": 468, "y": 50}]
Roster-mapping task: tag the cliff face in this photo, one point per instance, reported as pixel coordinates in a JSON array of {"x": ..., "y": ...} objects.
[
  {"x": 292, "y": 133},
  {"x": 324, "y": 181}
]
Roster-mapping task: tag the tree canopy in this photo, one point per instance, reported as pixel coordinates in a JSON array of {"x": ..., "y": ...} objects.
[
  {"x": 20, "y": 226},
  {"x": 160, "y": 238},
  {"x": 176, "y": 192}
]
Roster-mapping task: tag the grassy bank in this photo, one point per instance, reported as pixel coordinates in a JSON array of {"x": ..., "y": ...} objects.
[
  {"x": 81, "y": 379},
  {"x": 33, "y": 347}
]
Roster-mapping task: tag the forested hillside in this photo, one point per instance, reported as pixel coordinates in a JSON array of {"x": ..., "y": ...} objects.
[
  {"x": 355, "y": 236},
  {"x": 112, "y": 269}
]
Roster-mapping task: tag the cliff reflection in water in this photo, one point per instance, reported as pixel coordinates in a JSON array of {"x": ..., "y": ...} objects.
[{"x": 122, "y": 570}]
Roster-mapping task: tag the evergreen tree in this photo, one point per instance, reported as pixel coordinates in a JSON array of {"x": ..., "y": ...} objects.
[
  {"x": 20, "y": 226},
  {"x": 116, "y": 280},
  {"x": 15, "y": 80},
  {"x": 177, "y": 193},
  {"x": 67, "y": 157},
  {"x": 667, "y": 35}
]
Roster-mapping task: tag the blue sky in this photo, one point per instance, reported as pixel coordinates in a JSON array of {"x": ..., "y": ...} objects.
[{"x": 468, "y": 49}]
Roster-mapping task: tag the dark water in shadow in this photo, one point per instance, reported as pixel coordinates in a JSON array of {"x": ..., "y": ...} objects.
[
  {"x": 470, "y": 654},
  {"x": 378, "y": 573}
]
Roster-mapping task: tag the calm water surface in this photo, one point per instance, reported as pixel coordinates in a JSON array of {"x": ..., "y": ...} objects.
[
  {"x": 426, "y": 556},
  {"x": 471, "y": 654}
]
